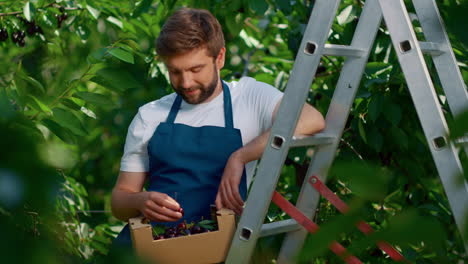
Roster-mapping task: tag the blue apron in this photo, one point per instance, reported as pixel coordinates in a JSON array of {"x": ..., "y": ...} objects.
[{"x": 187, "y": 163}]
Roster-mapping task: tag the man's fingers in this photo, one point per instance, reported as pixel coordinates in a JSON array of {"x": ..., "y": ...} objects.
[
  {"x": 156, "y": 217},
  {"x": 165, "y": 200},
  {"x": 226, "y": 199},
  {"x": 218, "y": 202},
  {"x": 236, "y": 198},
  {"x": 161, "y": 210}
]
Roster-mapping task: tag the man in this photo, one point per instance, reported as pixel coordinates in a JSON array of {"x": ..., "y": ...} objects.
[{"x": 197, "y": 146}]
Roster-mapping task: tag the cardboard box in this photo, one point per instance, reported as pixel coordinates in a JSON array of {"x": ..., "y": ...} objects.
[{"x": 210, "y": 247}]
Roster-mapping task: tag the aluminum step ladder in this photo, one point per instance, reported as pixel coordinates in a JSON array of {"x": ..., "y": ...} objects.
[{"x": 410, "y": 54}]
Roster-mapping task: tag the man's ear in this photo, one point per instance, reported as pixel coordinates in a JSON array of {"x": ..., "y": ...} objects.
[{"x": 221, "y": 58}]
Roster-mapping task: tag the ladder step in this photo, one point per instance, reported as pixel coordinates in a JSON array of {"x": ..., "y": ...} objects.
[
  {"x": 462, "y": 140},
  {"x": 315, "y": 140},
  {"x": 279, "y": 227},
  {"x": 342, "y": 50},
  {"x": 431, "y": 48}
]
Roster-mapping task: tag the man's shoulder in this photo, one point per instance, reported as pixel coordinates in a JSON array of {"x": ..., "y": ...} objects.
[
  {"x": 156, "y": 108},
  {"x": 249, "y": 85}
]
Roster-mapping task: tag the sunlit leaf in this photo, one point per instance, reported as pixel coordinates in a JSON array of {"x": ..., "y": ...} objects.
[
  {"x": 29, "y": 11},
  {"x": 42, "y": 106},
  {"x": 115, "y": 21},
  {"x": 93, "y": 11},
  {"x": 347, "y": 15}
]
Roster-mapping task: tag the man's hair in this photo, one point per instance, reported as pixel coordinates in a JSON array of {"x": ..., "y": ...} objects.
[{"x": 188, "y": 29}]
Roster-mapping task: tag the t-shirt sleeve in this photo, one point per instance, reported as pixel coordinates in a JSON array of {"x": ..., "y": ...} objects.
[
  {"x": 265, "y": 97},
  {"x": 135, "y": 157}
]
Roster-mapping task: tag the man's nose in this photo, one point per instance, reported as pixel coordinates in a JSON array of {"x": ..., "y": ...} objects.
[{"x": 187, "y": 80}]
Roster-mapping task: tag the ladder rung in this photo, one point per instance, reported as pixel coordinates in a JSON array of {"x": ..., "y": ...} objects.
[
  {"x": 279, "y": 227},
  {"x": 432, "y": 48},
  {"x": 342, "y": 50},
  {"x": 315, "y": 140},
  {"x": 462, "y": 141}
]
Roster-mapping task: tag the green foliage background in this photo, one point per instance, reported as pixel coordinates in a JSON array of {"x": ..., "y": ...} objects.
[{"x": 68, "y": 96}]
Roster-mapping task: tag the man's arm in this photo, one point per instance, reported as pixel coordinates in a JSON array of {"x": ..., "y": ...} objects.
[
  {"x": 310, "y": 122},
  {"x": 128, "y": 200}
]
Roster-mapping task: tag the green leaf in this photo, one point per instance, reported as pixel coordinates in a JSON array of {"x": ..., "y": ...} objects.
[
  {"x": 97, "y": 56},
  {"x": 83, "y": 31},
  {"x": 399, "y": 137},
  {"x": 29, "y": 11},
  {"x": 93, "y": 11},
  {"x": 59, "y": 131},
  {"x": 235, "y": 25},
  {"x": 40, "y": 106},
  {"x": 115, "y": 79},
  {"x": 32, "y": 81},
  {"x": 459, "y": 127},
  {"x": 122, "y": 55},
  {"x": 284, "y": 6},
  {"x": 259, "y": 6},
  {"x": 375, "y": 106},
  {"x": 375, "y": 69},
  {"x": 142, "y": 7},
  {"x": 70, "y": 104},
  {"x": 392, "y": 113},
  {"x": 362, "y": 131},
  {"x": 375, "y": 139},
  {"x": 68, "y": 120},
  {"x": 94, "y": 98}
]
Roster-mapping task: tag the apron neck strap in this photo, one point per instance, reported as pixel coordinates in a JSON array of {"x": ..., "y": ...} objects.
[{"x": 228, "y": 119}]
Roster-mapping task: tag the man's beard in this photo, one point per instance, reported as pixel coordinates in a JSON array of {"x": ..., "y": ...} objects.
[{"x": 205, "y": 91}]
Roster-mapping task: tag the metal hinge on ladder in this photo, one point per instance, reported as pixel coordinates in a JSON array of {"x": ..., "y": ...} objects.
[{"x": 409, "y": 51}]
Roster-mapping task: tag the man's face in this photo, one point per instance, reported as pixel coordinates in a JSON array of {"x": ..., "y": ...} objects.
[{"x": 195, "y": 75}]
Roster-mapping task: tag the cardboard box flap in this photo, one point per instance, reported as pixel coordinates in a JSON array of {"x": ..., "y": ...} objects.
[
  {"x": 225, "y": 211},
  {"x": 138, "y": 222}
]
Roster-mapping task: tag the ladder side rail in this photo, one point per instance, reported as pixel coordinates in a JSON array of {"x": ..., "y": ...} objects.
[
  {"x": 427, "y": 105},
  {"x": 336, "y": 117},
  {"x": 446, "y": 63},
  {"x": 305, "y": 66}
]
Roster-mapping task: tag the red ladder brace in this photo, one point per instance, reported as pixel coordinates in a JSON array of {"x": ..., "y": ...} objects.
[
  {"x": 361, "y": 225},
  {"x": 312, "y": 227}
]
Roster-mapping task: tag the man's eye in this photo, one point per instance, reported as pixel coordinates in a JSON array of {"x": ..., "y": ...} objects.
[{"x": 196, "y": 69}]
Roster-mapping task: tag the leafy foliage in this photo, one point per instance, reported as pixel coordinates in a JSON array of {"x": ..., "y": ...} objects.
[{"x": 71, "y": 85}]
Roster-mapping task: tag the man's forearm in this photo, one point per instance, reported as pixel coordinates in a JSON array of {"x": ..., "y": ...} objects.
[
  {"x": 125, "y": 204},
  {"x": 310, "y": 122}
]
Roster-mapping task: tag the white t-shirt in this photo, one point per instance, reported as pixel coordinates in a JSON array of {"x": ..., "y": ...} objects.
[{"x": 253, "y": 104}]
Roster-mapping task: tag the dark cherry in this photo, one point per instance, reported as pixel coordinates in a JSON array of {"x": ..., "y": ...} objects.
[
  {"x": 172, "y": 235},
  {"x": 21, "y": 42},
  {"x": 158, "y": 237},
  {"x": 31, "y": 30},
  {"x": 3, "y": 34},
  {"x": 170, "y": 230},
  {"x": 181, "y": 211},
  {"x": 196, "y": 229},
  {"x": 181, "y": 226},
  {"x": 38, "y": 29}
]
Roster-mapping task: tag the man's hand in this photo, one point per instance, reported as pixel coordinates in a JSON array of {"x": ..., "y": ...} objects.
[
  {"x": 160, "y": 207},
  {"x": 228, "y": 193}
]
